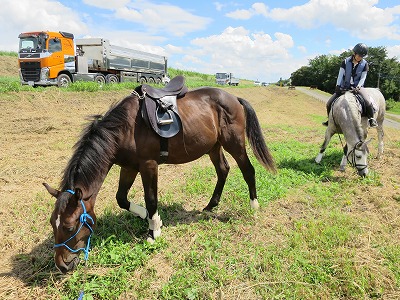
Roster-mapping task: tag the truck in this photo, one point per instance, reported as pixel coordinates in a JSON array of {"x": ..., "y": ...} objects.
[
  {"x": 226, "y": 78},
  {"x": 55, "y": 58}
]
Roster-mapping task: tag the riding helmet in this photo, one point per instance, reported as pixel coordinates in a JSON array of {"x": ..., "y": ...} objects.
[{"x": 360, "y": 49}]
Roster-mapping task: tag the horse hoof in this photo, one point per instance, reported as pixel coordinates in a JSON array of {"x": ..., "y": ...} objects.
[
  {"x": 150, "y": 240},
  {"x": 207, "y": 209},
  {"x": 342, "y": 169},
  {"x": 254, "y": 204}
]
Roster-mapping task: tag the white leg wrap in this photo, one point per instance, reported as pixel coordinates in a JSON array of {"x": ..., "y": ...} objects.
[
  {"x": 318, "y": 158},
  {"x": 138, "y": 210},
  {"x": 254, "y": 204},
  {"x": 155, "y": 224}
]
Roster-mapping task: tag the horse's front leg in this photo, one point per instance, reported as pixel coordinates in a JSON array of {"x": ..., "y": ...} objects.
[
  {"x": 328, "y": 135},
  {"x": 149, "y": 174},
  {"x": 343, "y": 163},
  {"x": 126, "y": 178}
]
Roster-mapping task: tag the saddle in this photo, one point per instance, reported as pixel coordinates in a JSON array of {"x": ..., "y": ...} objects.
[
  {"x": 159, "y": 107},
  {"x": 363, "y": 105}
]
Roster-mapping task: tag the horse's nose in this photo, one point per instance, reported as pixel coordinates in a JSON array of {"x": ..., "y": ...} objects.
[
  {"x": 63, "y": 268},
  {"x": 66, "y": 267},
  {"x": 363, "y": 173}
]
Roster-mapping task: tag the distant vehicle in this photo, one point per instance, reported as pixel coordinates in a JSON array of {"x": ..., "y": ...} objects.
[
  {"x": 265, "y": 84},
  {"x": 257, "y": 83},
  {"x": 226, "y": 78},
  {"x": 55, "y": 58}
]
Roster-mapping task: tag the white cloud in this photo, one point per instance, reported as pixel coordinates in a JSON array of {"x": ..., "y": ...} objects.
[
  {"x": 218, "y": 6},
  {"x": 394, "y": 51},
  {"x": 245, "y": 14},
  {"x": 107, "y": 4},
  {"x": 247, "y": 55},
  {"x": 302, "y": 49},
  {"x": 155, "y": 17},
  {"x": 360, "y": 18},
  {"x": 21, "y": 16}
]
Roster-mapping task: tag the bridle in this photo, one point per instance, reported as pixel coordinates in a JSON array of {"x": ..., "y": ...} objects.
[
  {"x": 352, "y": 160},
  {"x": 84, "y": 218}
]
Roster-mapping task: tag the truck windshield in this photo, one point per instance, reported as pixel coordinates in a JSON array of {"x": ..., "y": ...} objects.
[
  {"x": 31, "y": 44},
  {"x": 220, "y": 75}
]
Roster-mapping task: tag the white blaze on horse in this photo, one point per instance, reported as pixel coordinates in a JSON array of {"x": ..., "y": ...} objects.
[{"x": 346, "y": 118}]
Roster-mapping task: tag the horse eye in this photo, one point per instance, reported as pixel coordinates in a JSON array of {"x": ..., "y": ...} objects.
[{"x": 69, "y": 229}]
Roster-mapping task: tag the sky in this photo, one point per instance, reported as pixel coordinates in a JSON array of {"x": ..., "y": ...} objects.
[{"x": 262, "y": 41}]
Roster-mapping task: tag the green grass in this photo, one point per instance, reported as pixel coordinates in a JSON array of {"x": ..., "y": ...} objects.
[
  {"x": 310, "y": 253},
  {"x": 393, "y": 106},
  {"x": 8, "y": 53}
]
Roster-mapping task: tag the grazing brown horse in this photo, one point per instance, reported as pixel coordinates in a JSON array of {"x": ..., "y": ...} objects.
[{"x": 212, "y": 120}]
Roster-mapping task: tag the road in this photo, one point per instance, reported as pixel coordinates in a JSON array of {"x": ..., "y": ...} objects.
[{"x": 389, "y": 122}]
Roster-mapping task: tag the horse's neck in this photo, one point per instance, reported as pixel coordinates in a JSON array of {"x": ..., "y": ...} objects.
[
  {"x": 352, "y": 124},
  {"x": 89, "y": 188}
]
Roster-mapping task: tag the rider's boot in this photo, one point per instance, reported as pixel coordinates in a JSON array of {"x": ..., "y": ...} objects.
[{"x": 372, "y": 123}]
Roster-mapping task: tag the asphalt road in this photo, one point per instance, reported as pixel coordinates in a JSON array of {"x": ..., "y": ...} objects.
[{"x": 390, "y": 119}]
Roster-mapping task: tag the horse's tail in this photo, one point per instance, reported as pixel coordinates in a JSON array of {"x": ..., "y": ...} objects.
[{"x": 255, "y": 137}]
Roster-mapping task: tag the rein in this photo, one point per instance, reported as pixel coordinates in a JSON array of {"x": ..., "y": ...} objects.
[{"x": 84, "y": 217}]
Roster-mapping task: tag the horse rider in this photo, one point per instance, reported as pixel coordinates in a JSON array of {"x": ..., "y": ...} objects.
[{"x": 352, "y": 75}]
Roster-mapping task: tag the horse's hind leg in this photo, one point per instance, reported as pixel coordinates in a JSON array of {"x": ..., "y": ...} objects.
[
  {"x": 247, "y": 169},
  {"x": 222, "y": 168},
  {"x": 381, "y": 134}
]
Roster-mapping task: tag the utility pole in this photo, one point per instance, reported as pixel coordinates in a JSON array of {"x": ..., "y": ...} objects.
[{"x": 379, "y": 74}]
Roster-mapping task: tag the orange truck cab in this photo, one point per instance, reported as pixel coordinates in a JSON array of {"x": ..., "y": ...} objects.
[{"x": 45, "y": 57}]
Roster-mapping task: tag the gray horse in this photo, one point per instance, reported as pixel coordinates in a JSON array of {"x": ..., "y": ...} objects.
[{"x": 345, "y": 117}]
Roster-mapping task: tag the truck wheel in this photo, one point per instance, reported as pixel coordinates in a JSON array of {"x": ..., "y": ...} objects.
[
  {"x": 151, "y": 80},
  {"x": 158, "y": 80},
  {"x": 63, "y": 80},
  {"x": 100, "y": 79},
  {"x": 111, "y": 78},
  {"x": 142, "y": 80}
]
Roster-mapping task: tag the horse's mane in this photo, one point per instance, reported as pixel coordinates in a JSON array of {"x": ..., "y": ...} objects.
[{"x": 95, "y": 149}]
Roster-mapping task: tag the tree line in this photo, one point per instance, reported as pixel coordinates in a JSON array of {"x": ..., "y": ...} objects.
[{"x": 322, "y": 71}]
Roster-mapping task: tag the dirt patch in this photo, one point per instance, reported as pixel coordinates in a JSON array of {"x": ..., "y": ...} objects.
[{"x": 9, "y": 66}]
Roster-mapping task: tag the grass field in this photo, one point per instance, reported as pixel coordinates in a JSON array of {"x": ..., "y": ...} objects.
[{"x": 319, "y": 234}]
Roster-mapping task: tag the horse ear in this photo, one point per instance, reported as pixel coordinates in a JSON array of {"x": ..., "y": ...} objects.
[
  {"x": 369, "y": 141},
  {"x": 51, "y": 190}
]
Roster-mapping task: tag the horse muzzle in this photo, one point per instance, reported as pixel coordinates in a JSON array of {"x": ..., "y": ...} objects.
[
  {"x": 67, "y": 265},
  {"x": 363, "y": 172}
]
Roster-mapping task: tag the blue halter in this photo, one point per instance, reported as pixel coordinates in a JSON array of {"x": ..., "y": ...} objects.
[{"x": 84, "y": 221}]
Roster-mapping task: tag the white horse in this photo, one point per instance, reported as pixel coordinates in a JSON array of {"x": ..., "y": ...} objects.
[{"x": 345, "y": 117}]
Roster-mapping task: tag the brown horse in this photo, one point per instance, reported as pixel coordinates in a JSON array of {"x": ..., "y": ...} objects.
[{"x": 211, "y": 118}]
